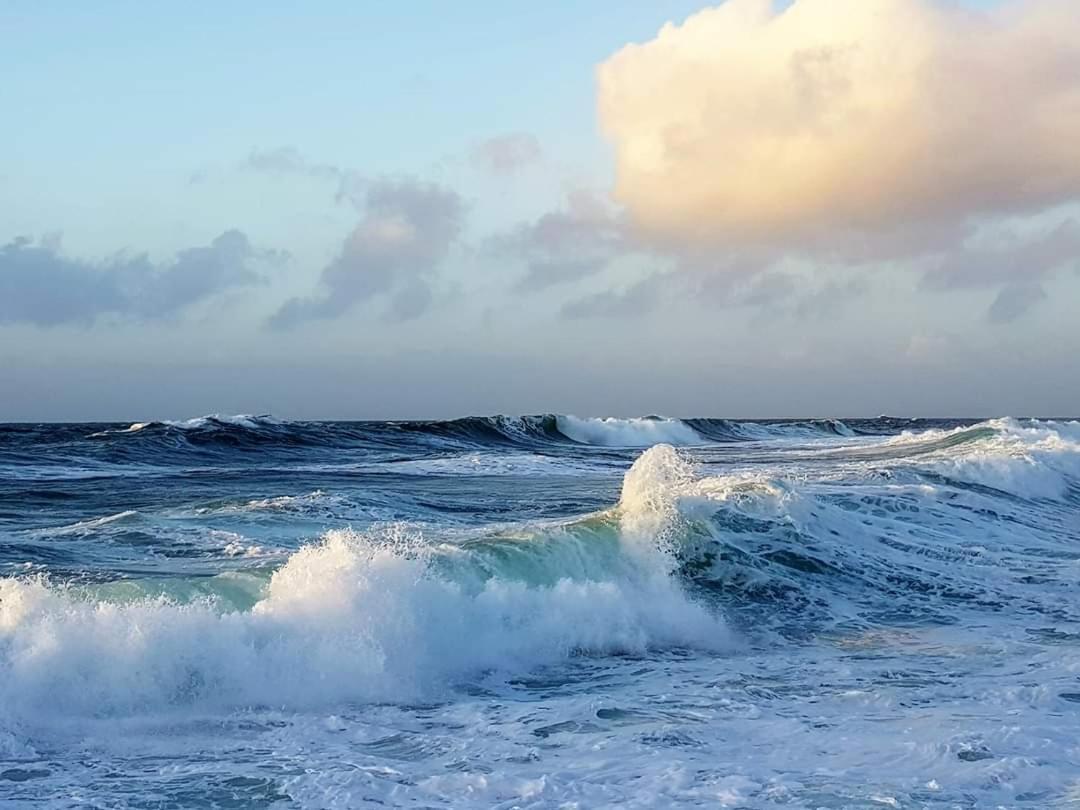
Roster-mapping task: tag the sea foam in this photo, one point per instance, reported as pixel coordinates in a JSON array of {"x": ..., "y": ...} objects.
[{"x": 358, "y": 616}]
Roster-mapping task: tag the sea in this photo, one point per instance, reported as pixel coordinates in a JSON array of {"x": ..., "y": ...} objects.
[{"x": 545, "y": 611}]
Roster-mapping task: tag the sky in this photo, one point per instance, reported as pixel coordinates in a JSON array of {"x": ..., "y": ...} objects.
[{"x": 372, "y": 210}]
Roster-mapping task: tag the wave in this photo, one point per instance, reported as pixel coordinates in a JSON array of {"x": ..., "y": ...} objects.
[
  {"x": 631, "y": 432},
  {"x": 1032, "y": 459},
  {"x": 791, "y": 429},
  {"x": 215, "y": 421},
  {"x": 390, "y": 614},
  {"x": 496, "y": 430},
  {"x": 643, "y": 432},
  {"x": 976, "y": 520},
  {"x": 383, "y": 615},
  {"x": 93, "y": 524},
  {"x": 476, "y": 431}
]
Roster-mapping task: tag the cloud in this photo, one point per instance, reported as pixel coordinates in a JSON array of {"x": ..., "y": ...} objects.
[
  {"x": 547, "y": 273},
  {"x": 196, "y": 274},
  {"x": 766, "y": 290},
  {"x": 1014, "y": 301},
  {"x": 407, "y": 229},
  {"x": 1009, "y": 256},
  {"x": 935, "y": 347},
  {"x": 770, "y": 290},
  {"x": 288, "y": 160},
  {"x": 41, "y": 286},
  {"x": 567, "y": 244},
  {"x": 1017, "y": 264},
  {"x": 746, "y": 124},
  {"x": 830, "y": 298},
  {"x": 637, "y": 300},
  {"x": 411, "y": 301},
  {"x": 745, "y": 286},
  {"x": 507, "y": 154}
]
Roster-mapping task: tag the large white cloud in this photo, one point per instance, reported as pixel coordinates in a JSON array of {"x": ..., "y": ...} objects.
[{"x": 752, "y": 124}]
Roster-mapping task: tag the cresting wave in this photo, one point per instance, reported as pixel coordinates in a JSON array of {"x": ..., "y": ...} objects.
[
  {"x": 611, "y": 432},
  {"x": 383, "y": 615}
]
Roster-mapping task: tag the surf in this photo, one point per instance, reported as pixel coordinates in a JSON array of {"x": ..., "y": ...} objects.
[
  {"x": 381, "y": 615},
  {"x": 400, "y": 611}
]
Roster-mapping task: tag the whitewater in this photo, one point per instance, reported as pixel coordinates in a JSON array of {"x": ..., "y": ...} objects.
[{"x": 540, "y": 611}]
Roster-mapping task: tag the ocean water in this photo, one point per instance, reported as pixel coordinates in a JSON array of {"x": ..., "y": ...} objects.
[{"x": 242, "y": 612}]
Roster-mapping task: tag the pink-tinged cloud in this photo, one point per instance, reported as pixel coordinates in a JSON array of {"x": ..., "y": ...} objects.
[{"x": 750, "y": 124}]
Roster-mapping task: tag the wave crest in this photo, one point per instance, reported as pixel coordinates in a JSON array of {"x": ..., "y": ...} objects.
[
  {"x": 642, "y": 432},
  {"x": 383, "y": 615}
]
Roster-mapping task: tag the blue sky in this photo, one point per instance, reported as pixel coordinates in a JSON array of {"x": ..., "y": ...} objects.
[{"x": 360, "y": 210}]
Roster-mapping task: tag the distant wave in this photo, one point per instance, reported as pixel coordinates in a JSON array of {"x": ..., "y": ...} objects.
[
  {"x": 522, "y": 431},
  {"x": 643, "y": 432},
  {"x": 208, "y": 422},
  {"x": 216, "y": 420}
]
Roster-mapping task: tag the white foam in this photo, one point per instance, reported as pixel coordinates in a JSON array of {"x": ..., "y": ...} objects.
[
  {"x": 649, "y": 508},
  {"x": 357, "y": 617},
  {"x": 93, "y": 523},
  {"x": 1031, "y": 459},
  {"x": 249, "y": 421},
  {"x": 612, "y": 432},
  {"x": 240, "y": 549}
]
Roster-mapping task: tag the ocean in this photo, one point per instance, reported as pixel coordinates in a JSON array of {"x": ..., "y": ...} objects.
[{"x": 545, "y": 611}]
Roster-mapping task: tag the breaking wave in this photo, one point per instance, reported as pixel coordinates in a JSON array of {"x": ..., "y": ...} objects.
[
  {"x": 645, "y": 432},
  {"x": 389, "y": 614},
  {"x": 382, "y": 615}
]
